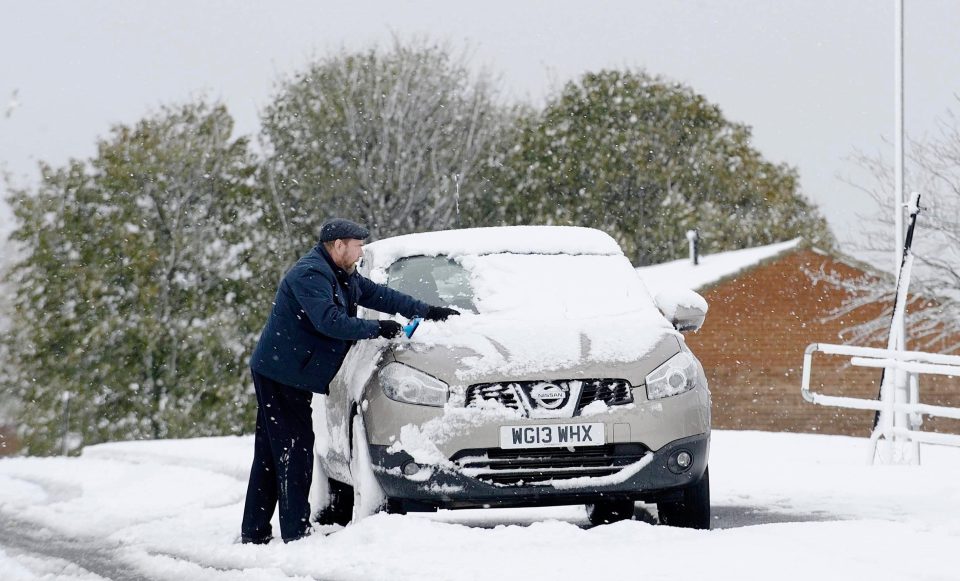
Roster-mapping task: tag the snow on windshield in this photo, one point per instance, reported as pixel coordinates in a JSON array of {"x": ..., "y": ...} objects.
[
  {"x": 524, "y": 285},
  {"x": 558, "y": 286},
  {"x": 536, "y": 312}
]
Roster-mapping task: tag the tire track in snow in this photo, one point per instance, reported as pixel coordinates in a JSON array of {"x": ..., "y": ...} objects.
[
  {"x": 92, "y": 555},
  {"x": 188, "y": 567}
]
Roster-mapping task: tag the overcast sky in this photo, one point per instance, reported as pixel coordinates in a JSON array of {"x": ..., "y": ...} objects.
[{"x": 814, "y": 78}]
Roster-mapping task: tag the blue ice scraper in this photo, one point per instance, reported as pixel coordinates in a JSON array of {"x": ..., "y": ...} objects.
[{"x": 410, "y": 327}]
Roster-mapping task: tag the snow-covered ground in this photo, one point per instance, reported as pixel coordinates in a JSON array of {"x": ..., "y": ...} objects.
[{"x": 786, "y": 506}]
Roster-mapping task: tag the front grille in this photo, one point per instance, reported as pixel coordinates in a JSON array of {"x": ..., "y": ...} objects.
[
  {"x": 609, "y": 391},
  {"x": 531, "y": 467},
  {"x": 516, "y": 394},
  {"x": 503, "y": 393}
]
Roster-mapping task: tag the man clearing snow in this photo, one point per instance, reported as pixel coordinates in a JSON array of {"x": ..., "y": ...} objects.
[{"x": 312, "y": 326}]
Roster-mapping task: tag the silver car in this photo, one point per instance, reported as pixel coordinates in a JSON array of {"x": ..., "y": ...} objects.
[{"x": 562, "y": 382}]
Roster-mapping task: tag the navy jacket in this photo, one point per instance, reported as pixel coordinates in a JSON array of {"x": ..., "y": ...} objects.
[{"x": 314, "y": 323}]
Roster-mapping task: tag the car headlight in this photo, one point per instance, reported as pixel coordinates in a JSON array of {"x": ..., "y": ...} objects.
[
  {"x": 408, "y": 385},
  {"x": 680, "y": 373}
]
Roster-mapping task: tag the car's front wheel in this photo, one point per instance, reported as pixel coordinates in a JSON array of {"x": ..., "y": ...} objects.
[
  {"x": 339, "y": 507},
  {"x": 609, "y": 511},
  {"x": 692, "y": 511}
]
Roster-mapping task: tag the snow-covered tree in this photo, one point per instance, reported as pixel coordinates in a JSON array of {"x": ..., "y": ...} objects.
[
  {"x": 136, "y": 299},
  {"x": 933, "y": 169},
  {"x": 646, "y": 160},
  {"x": 387, "y": 138}
]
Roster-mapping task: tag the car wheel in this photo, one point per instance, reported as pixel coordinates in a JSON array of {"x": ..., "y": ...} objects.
[
  {"x": 368, "y": 496},
  {"x": 394, "y": 506},
  {"x": 608, "y": 511},
  {"x": 693, "y": 510},
  {"x": 339, "y": 507}
]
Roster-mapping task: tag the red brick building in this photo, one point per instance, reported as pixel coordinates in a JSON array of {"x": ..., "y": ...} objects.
[{"x": 764, "y": 309}]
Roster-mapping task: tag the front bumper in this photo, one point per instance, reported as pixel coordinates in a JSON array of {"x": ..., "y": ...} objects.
[{"x": 643, "y": 475}]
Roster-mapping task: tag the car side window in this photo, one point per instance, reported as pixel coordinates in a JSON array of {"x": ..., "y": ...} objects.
[{"x": 435, "y": 280}]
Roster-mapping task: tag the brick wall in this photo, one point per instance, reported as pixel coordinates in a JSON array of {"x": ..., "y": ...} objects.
[{"x": 752, "y": 346}]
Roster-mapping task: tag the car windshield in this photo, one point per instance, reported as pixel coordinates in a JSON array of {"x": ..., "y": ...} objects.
[
  {"x": 553, "y": 285},
  {"x": 435, "y": 280}
]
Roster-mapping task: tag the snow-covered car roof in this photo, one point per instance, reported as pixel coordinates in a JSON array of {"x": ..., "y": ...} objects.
[{"x": 495, "y": 240}]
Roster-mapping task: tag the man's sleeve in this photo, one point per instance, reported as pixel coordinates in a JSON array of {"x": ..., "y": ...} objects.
[
  {"x": 386, "y": 300},
  {"x": 314, "y": 291}
]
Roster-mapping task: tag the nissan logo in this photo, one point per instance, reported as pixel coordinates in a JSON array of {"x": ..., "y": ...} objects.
[{"x": 548, "y": 395}]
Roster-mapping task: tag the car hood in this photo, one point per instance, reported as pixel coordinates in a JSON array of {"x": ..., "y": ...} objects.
[{"x": 479, "y": 348}]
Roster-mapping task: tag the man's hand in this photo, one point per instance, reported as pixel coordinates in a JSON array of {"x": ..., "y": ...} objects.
[
  {"x": 440, "y": 313},
  {"x": 389, "y": 329}
]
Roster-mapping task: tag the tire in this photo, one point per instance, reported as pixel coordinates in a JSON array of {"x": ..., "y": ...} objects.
[
  {"x": 394, "y": 506},
  {"x": 610, "y": 511},
  {"x": 368, "y": 496},
  {"x": 693, "y": 510},
  {"x": 339, "y": 508}
]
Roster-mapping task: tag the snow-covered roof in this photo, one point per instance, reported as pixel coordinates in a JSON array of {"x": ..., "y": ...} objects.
[
  {"x": 712, "y": 268},
  {"x": 481, "y": 241}
]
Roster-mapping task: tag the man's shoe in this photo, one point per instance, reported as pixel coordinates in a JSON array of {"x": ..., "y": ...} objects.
[
  {"x": 303, "y": 535},
  {"x": 244, "y": 539}
]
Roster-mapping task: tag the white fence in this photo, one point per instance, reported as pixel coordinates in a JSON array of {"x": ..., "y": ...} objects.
[{"x": 901, "y": 412}]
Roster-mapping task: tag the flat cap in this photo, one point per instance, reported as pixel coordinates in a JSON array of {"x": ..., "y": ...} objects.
[{"x": 337, "y": 228}]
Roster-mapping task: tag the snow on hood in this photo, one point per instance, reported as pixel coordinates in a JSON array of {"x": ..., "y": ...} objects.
[
  {"x": 519, "y": 348},
  {"x": 538, "y": 312},
  {"x": 480, "y": 241}
]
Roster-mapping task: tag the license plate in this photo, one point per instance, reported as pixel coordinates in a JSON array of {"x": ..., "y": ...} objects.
[{"x": 551, "y": 435}]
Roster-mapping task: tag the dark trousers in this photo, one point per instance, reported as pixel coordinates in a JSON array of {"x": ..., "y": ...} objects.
[{"x": 282, "y": 461}]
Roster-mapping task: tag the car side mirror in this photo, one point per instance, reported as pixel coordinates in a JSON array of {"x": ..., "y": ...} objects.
[{"x": 684, "y": 308}]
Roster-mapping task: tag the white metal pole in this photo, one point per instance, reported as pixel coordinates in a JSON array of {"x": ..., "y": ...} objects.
[
  {"x": 898, "y": 136},
  {"x": 902, "y": 451}
]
